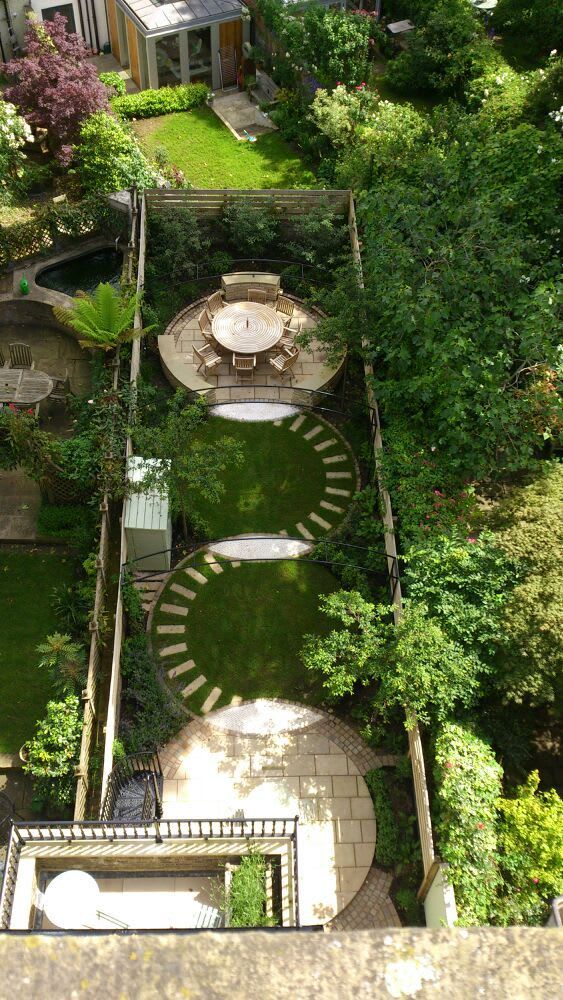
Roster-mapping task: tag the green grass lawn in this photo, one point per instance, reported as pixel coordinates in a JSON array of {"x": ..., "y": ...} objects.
[
  {"x": 245, "y": 630},
  {"x": 282, "y": 480},
  {"x": 27, "y": 578},
  {"x": 199, "y": 144}
]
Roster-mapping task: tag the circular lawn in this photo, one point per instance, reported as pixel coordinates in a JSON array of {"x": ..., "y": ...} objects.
[
  {"x": 230, "y": 631},
  {"x": 298, "y": 476}
]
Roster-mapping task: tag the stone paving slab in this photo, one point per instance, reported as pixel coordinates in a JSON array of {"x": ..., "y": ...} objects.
[
  {"x": 174, "y": 609},
  {"x": 216, "y": 772}
]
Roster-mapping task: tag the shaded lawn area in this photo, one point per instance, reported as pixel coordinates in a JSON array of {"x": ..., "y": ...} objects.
[
  {"x": 245, "y": 630},
  {"x": 27, "y": 578},
  {"x": 199, "y": 144},
  {"x": 281, "y": 481}
]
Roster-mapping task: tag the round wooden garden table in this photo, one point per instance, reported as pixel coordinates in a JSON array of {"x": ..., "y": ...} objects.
[
  {"x": 24, "y": 386},
  {"x": 247, "y": 327}
]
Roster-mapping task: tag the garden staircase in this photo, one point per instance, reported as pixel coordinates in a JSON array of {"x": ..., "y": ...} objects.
[{"x": 148, "y": 586}]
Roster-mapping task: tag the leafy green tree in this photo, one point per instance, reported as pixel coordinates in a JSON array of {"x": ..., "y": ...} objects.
[
  {"x": 187, "y": 467},
  {"x": 176, "y": 244},
  {"x": 426, "y": 672},
  {"x": 331, "y": 45},
  {"x": 531, "y": 845},
  {"x": 103, "y": 320},
  {"x": 350, "y": 654},
  {"x": 528, "y": 527},
  {"x": 537, "y": 24},
  {"x": 250, "y": 230},
  {"x": 416, "y": 667},
  {"x": 447, "y": 48},
  {"x": 108, "y": 157},
  {"x": 52, "y": 754},
  {"x": 463, "y": 328},
  {"x": 387, "y": 136},
  {"x": 466, "y": 582}
]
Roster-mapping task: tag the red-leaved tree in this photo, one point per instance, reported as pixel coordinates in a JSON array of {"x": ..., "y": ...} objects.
[{"x": 54, "y": 87}]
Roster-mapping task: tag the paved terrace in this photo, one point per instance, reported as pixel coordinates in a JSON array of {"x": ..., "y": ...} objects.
[
  {"x": 297, "y": 761},
  {"x": 311, "y": 370}
]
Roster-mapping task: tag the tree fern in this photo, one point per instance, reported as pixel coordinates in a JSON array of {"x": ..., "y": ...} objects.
[{"x": 103, "y": 320}]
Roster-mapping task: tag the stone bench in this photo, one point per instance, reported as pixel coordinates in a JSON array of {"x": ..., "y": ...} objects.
[{"x": 235, "y": 286}]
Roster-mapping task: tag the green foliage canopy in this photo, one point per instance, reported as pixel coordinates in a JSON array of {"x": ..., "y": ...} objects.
[
  {"x": 416, "y": 666},
  {"x": 531, "y": 842},
  {"x": 468, "y": 784},
  {"x": 108, "y": 157}
]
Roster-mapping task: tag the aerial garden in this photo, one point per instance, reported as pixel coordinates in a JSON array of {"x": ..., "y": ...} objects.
[{"x": 453, "y": 149}]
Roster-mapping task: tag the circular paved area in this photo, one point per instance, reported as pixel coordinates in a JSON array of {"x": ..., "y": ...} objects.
[
  {"x": 264, "y": 717},
  {"x": 213, "y": 773},
  {"x": 259, "y": 547},
  {"x": 254, "y": 412}
]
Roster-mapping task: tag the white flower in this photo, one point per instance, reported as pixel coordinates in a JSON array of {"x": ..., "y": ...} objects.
[{"x": 553, "y": 53}]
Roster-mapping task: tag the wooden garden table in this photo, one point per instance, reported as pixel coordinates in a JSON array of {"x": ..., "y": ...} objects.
[
  {"x": 247, "y": 327},
  {"x": 24, "y": 386}
]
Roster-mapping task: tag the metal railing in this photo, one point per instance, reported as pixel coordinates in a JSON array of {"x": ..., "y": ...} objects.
[
  {"x": 320, "y": 274},
  {"x": 127, "y": 771},
  {"x": 389, "y": 563},
  {"x": 157, "y": 830},
  {"x": 311, "y": 399}
]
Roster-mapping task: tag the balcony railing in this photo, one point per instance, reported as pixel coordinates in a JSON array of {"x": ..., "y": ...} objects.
[{"x": 157, "y": 830}]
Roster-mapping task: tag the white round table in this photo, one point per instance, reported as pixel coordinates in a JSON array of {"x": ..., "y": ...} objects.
[
  {"x": 247, "y": 327},
  {"x": 71, "y": 900}
]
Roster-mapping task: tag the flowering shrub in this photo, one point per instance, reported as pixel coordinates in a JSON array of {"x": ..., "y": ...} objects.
[
  {"x": 426, "y": 492},
  {"x": 340, "y": 113},
  {"x": 54, "y": 85},
  {"x": 387, "y": 137},
  {"x": 468, "y": 784},
  {"x": 531, "y": 839},
  {"x": 14, "y": 132}
]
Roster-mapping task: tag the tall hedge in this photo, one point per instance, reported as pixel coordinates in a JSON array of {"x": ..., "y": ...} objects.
[
  {"x": 468, "y": 785},
  {"x": 149, "y": 103}
]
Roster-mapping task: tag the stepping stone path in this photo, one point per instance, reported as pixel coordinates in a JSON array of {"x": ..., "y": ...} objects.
[{"x": 332, "y": 450}]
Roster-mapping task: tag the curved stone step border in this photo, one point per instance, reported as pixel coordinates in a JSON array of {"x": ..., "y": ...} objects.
[
  {"x": 348, "y": 482},
  {"x": 177, "y": 608}
]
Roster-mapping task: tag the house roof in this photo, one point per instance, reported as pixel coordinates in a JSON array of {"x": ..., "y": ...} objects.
[{"x": 155, "y": 18}]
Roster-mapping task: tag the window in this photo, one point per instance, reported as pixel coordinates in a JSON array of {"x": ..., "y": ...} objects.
[
  {"x": 168, "y": 60},
  {"x": 199, "y": 49},
  {"x": 66, "y": 9}
]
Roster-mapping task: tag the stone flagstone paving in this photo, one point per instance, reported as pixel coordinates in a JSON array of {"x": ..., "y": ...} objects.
[{"x": 212, "y": 772}]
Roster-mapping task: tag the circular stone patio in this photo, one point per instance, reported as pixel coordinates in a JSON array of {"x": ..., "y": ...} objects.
[
  {"x": 310, "y": 767},
  {"x": 180, "y": 366}
]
